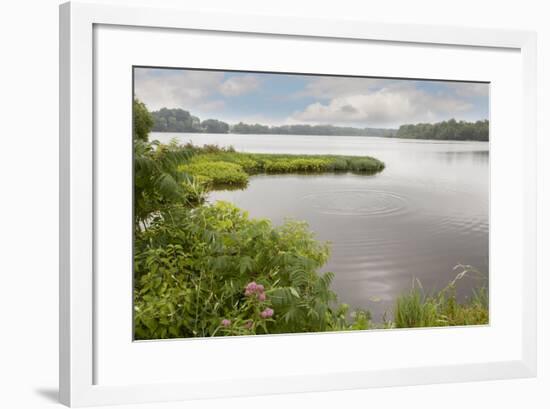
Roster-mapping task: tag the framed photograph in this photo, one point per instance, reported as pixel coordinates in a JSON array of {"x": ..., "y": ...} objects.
[{"x": 255, "y": 204}]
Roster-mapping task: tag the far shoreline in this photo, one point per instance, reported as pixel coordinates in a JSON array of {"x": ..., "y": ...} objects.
[{"x": 335, "y": 136}]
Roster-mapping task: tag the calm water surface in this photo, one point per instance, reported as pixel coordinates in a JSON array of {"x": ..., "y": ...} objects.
[{"x": 420, "y": 217}]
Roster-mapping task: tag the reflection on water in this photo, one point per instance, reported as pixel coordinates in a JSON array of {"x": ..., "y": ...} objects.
[{"x": 424, "y": 214}]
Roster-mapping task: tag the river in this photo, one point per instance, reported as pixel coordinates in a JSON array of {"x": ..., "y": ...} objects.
[{"x": 427, "y": 212}]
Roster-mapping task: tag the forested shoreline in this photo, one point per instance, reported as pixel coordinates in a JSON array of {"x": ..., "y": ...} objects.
[
  {"x": 179, "y": 120},
  {"x": 450, "y": 130}
]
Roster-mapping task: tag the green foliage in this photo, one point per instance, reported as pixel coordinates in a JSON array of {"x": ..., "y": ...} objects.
[
  {"x": 214, "y": 126},
  {"x": 250, "y": 128},
  {"x": 179, "y": 120},
  {"x": 447, "y": 130},
  {"x": 218, "y": 173},
  {"x": 242, "y": 128},
  {"x": 225, "y": 167},
  {"x": 192, "y": 267},
  {"x": 209, "y": 270},
  {"x": 364, "y": 165},
  {"x": 415, "y": 309},
  {"x": 192, "y": 261},
  {"x": 296, "y": 165},
  {"x": 158, "y": 180},
  {"x": 142, "y": 121},
  {"x": 175, "y": 120}
]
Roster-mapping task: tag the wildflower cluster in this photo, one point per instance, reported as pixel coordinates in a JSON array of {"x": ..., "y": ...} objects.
[
  {"x": 253, "y": 289},
  {"x": 256, "y": 294},
  {"x": 267, "y": 313}
]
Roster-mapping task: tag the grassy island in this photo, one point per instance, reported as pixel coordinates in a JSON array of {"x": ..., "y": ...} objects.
[{"x": 225, "y": 167}]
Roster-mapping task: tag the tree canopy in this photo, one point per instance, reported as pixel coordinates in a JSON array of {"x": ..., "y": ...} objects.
[
  {"x": 214, "y": 126},
  {"x": 143, "y": 121},
  {"x": 175, "y": 120},
  {"x": 179, "y": 120},
  {"x": 447, "y": 130}
]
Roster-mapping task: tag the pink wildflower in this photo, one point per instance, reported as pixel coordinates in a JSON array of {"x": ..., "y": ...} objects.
[
  {"x": 226, "y": 322},
  {"x": 267, "y": 313},
  {"x": 248, "y": 324},
  {"x": 261, "y": 297},
  {"x": 260, "y": 288},
  {"x": 252, "y": 286}
]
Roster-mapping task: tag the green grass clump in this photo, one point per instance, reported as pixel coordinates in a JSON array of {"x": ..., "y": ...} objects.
[
  {"x": 338, "y": 165},
  {"x": 415, "y": 309},
  {"x": 296, "y": 165},
  {"x": 217, "y": 173},
  {"x": 363, "y": 164}
]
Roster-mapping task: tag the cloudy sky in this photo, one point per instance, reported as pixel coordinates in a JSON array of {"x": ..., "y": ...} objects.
[{"x": 276, "y": 99}]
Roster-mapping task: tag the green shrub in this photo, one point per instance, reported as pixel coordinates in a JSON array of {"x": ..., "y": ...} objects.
[
  {"x": 218, "y": 173},
  {"x": 192, "y": 269}
]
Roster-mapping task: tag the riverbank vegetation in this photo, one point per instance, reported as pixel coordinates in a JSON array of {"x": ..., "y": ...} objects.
[
  {"x": 204, "y": 270},
  {"x": 415, "y": 308},
  {"x": 224, "y": 167},
  {"x": 451, "y": 130}
]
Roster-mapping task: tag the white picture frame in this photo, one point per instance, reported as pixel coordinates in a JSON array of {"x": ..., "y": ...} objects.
[{"x": 78, "y": 290}]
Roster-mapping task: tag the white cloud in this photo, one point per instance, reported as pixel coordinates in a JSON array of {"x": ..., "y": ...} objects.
[
  {"x": 469, "y": 89},
  {"x": 331, "y": 87},
  {"x": 335, "y": 100},
  {"x": 195, "y": 91},
  {"x": 176, "y": 88},
  {"x": 210, "y": 106},
  {"x": 239, "y": 85},
  {"x": 391, "y": 105}
]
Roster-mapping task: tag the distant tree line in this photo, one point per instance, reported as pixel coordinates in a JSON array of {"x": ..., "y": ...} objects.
[
  {"x": 179, "y": 120},
  {"x": 447, "y": 130},
  {"x": 243, "y": 128}
]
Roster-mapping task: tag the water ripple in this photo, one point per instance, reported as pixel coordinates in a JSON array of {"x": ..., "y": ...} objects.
[{"x": 356, "y": 202}]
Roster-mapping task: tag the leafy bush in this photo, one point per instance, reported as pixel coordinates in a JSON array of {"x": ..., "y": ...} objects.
[
  {"x": 194, "y": 268},
  {"x": 142, "y": 121},
  {"x": 158, "y": 183}
]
